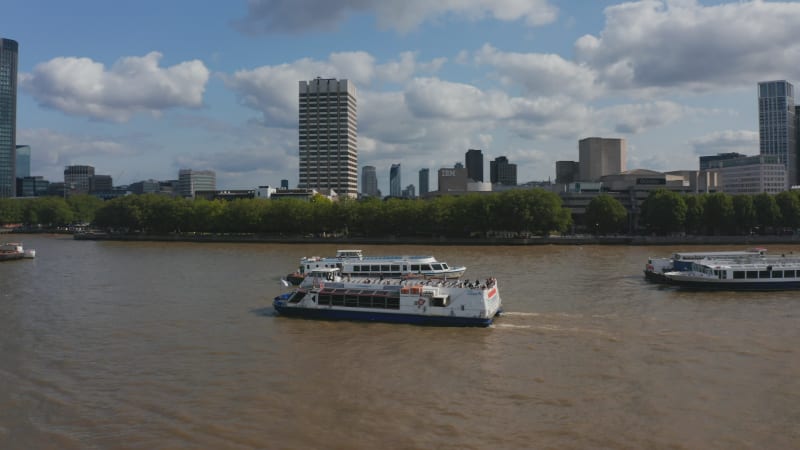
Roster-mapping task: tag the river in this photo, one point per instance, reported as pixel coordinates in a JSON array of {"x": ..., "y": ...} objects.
[{"x": 118, "y": 345}]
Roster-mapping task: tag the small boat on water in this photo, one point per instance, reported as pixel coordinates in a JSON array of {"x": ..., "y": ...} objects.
[
  {"x": 679, "y": 261},
  {"x": 326, "y": 294},
  {"x": 13, "y": 250},
  {"x": 770, "y": 273},
  {"x": 354, "y": 263}
]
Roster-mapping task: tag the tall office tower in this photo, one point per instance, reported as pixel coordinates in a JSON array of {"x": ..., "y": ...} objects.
[
  {"x": 76, "y": 179},
  {"x": 394, "y": 181},
  {"x": 190, "y": 181},
  {"x": 328, "y": 136},
  {"x": 776, "y": 125},
  {"x": 502, "y": 172},
  {"x": 100, "y": 183},
  {"x": 284, "y": 184},
  {"x": 601, "y": 156},
  {"x": 9, "y": 51},
  {"x": 23, "y": 161},
  {"x": 424, "y": 182},
  {"x": 474, "y": 162},
  {"x": 369, "y": 181}
]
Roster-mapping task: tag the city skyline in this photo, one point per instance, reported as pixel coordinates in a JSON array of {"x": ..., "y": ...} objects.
[{"x": 525, "y": 80}]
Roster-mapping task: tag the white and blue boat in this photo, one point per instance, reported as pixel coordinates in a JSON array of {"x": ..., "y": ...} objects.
[
  {"x": 771, "y": 273},
  {"x": 325, "y": 294},
  {"x": 352, "y": 262},
  {"x": 681, "y": 261}
]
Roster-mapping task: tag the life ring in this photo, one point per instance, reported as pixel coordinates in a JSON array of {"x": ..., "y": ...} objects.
[{"x": 420, "y": 302}]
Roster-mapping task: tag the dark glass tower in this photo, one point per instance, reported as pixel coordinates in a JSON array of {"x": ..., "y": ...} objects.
[
  {"x": 776, "y": 122},
  {"x": 9, "y": 51},
  {"x": 474, "y": 163}
]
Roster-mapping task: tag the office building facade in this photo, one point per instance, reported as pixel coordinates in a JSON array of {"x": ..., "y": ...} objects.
[
  {"x": 191, "y": 181},
  {"x": 328, "y": 136},
  {"x": 23, "y": 161},
  {"x": 369, "y": 182},
  {"x": 76, "y": 179},
  {"x": 601, "y": 156},
  {"x": 424, "y": 182},
  {"x": 473, "y": 159},
  {"x": 395, "y": 189},
  {"x": 502, "y": 172},
  {"x": 776, "y": 125},
  {"x": 9, "y": 56},
  {"x": 751, "y": 175}
]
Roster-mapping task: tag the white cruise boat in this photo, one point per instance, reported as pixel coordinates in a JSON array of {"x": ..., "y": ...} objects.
[
  {"x": 353, "y": 263},
  {"x": 764, "y": 274},
  {"x": 14, "y": 250},
  {"x": 679, "y": 261},
  {"x": 325, "y": 294}
]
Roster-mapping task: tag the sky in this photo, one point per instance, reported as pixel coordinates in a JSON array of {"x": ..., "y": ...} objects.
[{"x": 142, "y": 89}]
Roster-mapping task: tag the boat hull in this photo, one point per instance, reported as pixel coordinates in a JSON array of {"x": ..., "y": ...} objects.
[
  {"x": 11, "y": 256},
  {"x": 655, "y": 277},
  {"x": 375, "y": 316},
  {"x": 697, "y": 285}
]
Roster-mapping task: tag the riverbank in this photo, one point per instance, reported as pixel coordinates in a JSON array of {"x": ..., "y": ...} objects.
[{"x": 442, "y": 240}]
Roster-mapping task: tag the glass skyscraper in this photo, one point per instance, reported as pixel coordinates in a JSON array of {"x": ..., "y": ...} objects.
[
  {"x": 776, "y": 125},
  {"x": 394, "y": 181},
  {"x": 23, "y": 161},
  {"x": 328, "y": 136},
  {"x": 474, "y": 162},
  {"x": 369, "y": 181},
  {"x": 424, "y": 182},
  {"x": 9, "y": 51}
]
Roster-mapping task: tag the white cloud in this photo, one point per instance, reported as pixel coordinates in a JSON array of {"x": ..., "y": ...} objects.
[
  {"x": 81, "y": 86},
  {"x": 274, "y": 16},
  {"x": 636, "y": 118},
  {"x": 541, "y": 74},
  {"x": 683, "y": 45},
  {"x": 739, "y": 141}
]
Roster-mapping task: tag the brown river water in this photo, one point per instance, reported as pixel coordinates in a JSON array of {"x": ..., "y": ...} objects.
[{"x": 116, "y": 345}]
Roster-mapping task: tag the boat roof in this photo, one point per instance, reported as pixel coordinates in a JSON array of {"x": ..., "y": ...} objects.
[{"x": 704, "y": 255}]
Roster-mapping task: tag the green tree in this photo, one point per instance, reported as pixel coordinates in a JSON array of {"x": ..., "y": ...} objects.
[
  {"x": 664, "y": 212},
  {"x": 84, "y": 207},
  {"x": 10, "y": 211},
  {"x": 605, "y": 215},
  {"x": 789, "y": 205},
  {"x": 744, "y": 213},
  {"x": 768, "y": 214},
  {"x": 695, "y": 205},
  {"x": 719, "y": 213}
]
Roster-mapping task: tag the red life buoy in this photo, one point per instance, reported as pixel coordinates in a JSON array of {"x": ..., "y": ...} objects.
[{"x": 420, "y": 302}]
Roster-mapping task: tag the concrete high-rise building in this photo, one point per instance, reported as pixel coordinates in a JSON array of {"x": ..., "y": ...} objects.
[
  {"x": 76, "y": 179},
  {"x": 776, "y": 125},
  {"x": 502, "y": 172},
  {"x": 23, "y": 161},
  {"x": 424, "y": 182},
  {"x": 328, "y": 136},
  {"x": 394, "y": 181},
  {"x": 369, "y": 182},
  {"x": 473, "y": 159},
  {"x": 9, "y": 55},
  {"x": 601, "y": 156},
  {"x": 191, "y": 181},
  {"x": 100, "y": 183},
  {"x": 453, "y": 179}
]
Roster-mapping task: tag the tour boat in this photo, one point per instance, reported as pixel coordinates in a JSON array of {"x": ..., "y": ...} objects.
[
  {"x": 14, "y": 250},
  {"x": 354, "y": 263},
  {"x": 763, "y": 274},
  {"x": 326, "y": 294},
  {"x": 656, "y": 267}
]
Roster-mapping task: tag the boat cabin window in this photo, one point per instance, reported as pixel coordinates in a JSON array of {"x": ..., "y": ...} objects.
[
  {"x": 426, "y": 267},
  {"x": 395, "y": 267},
  {"x": 751, "y": 274},
  {"x": 788, "y": 273},
  {"x": 436, "y": 266},
  {"x": 405, "y": 268},
  {"x": 763, "y": 274},
  {"x": 444, "y": 265},
  {"x": 738, "y": 274},
  {"x": 440, "y": 301},
  {"x": 375, "y": 268},
  {"x": 415, "y": 267},
  {"x": 297, "y": 296},
  {"x": 384, "y": 268},
  {"x": 777, "y": 274}
]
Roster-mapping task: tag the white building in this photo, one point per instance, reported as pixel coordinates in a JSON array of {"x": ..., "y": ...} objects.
[
  {"x": 751, "y": 175},
  {"x": 191, "y": 181}
]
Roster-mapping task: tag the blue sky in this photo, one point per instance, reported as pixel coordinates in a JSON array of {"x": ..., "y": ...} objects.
[{"x": 141, "y": 89}]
